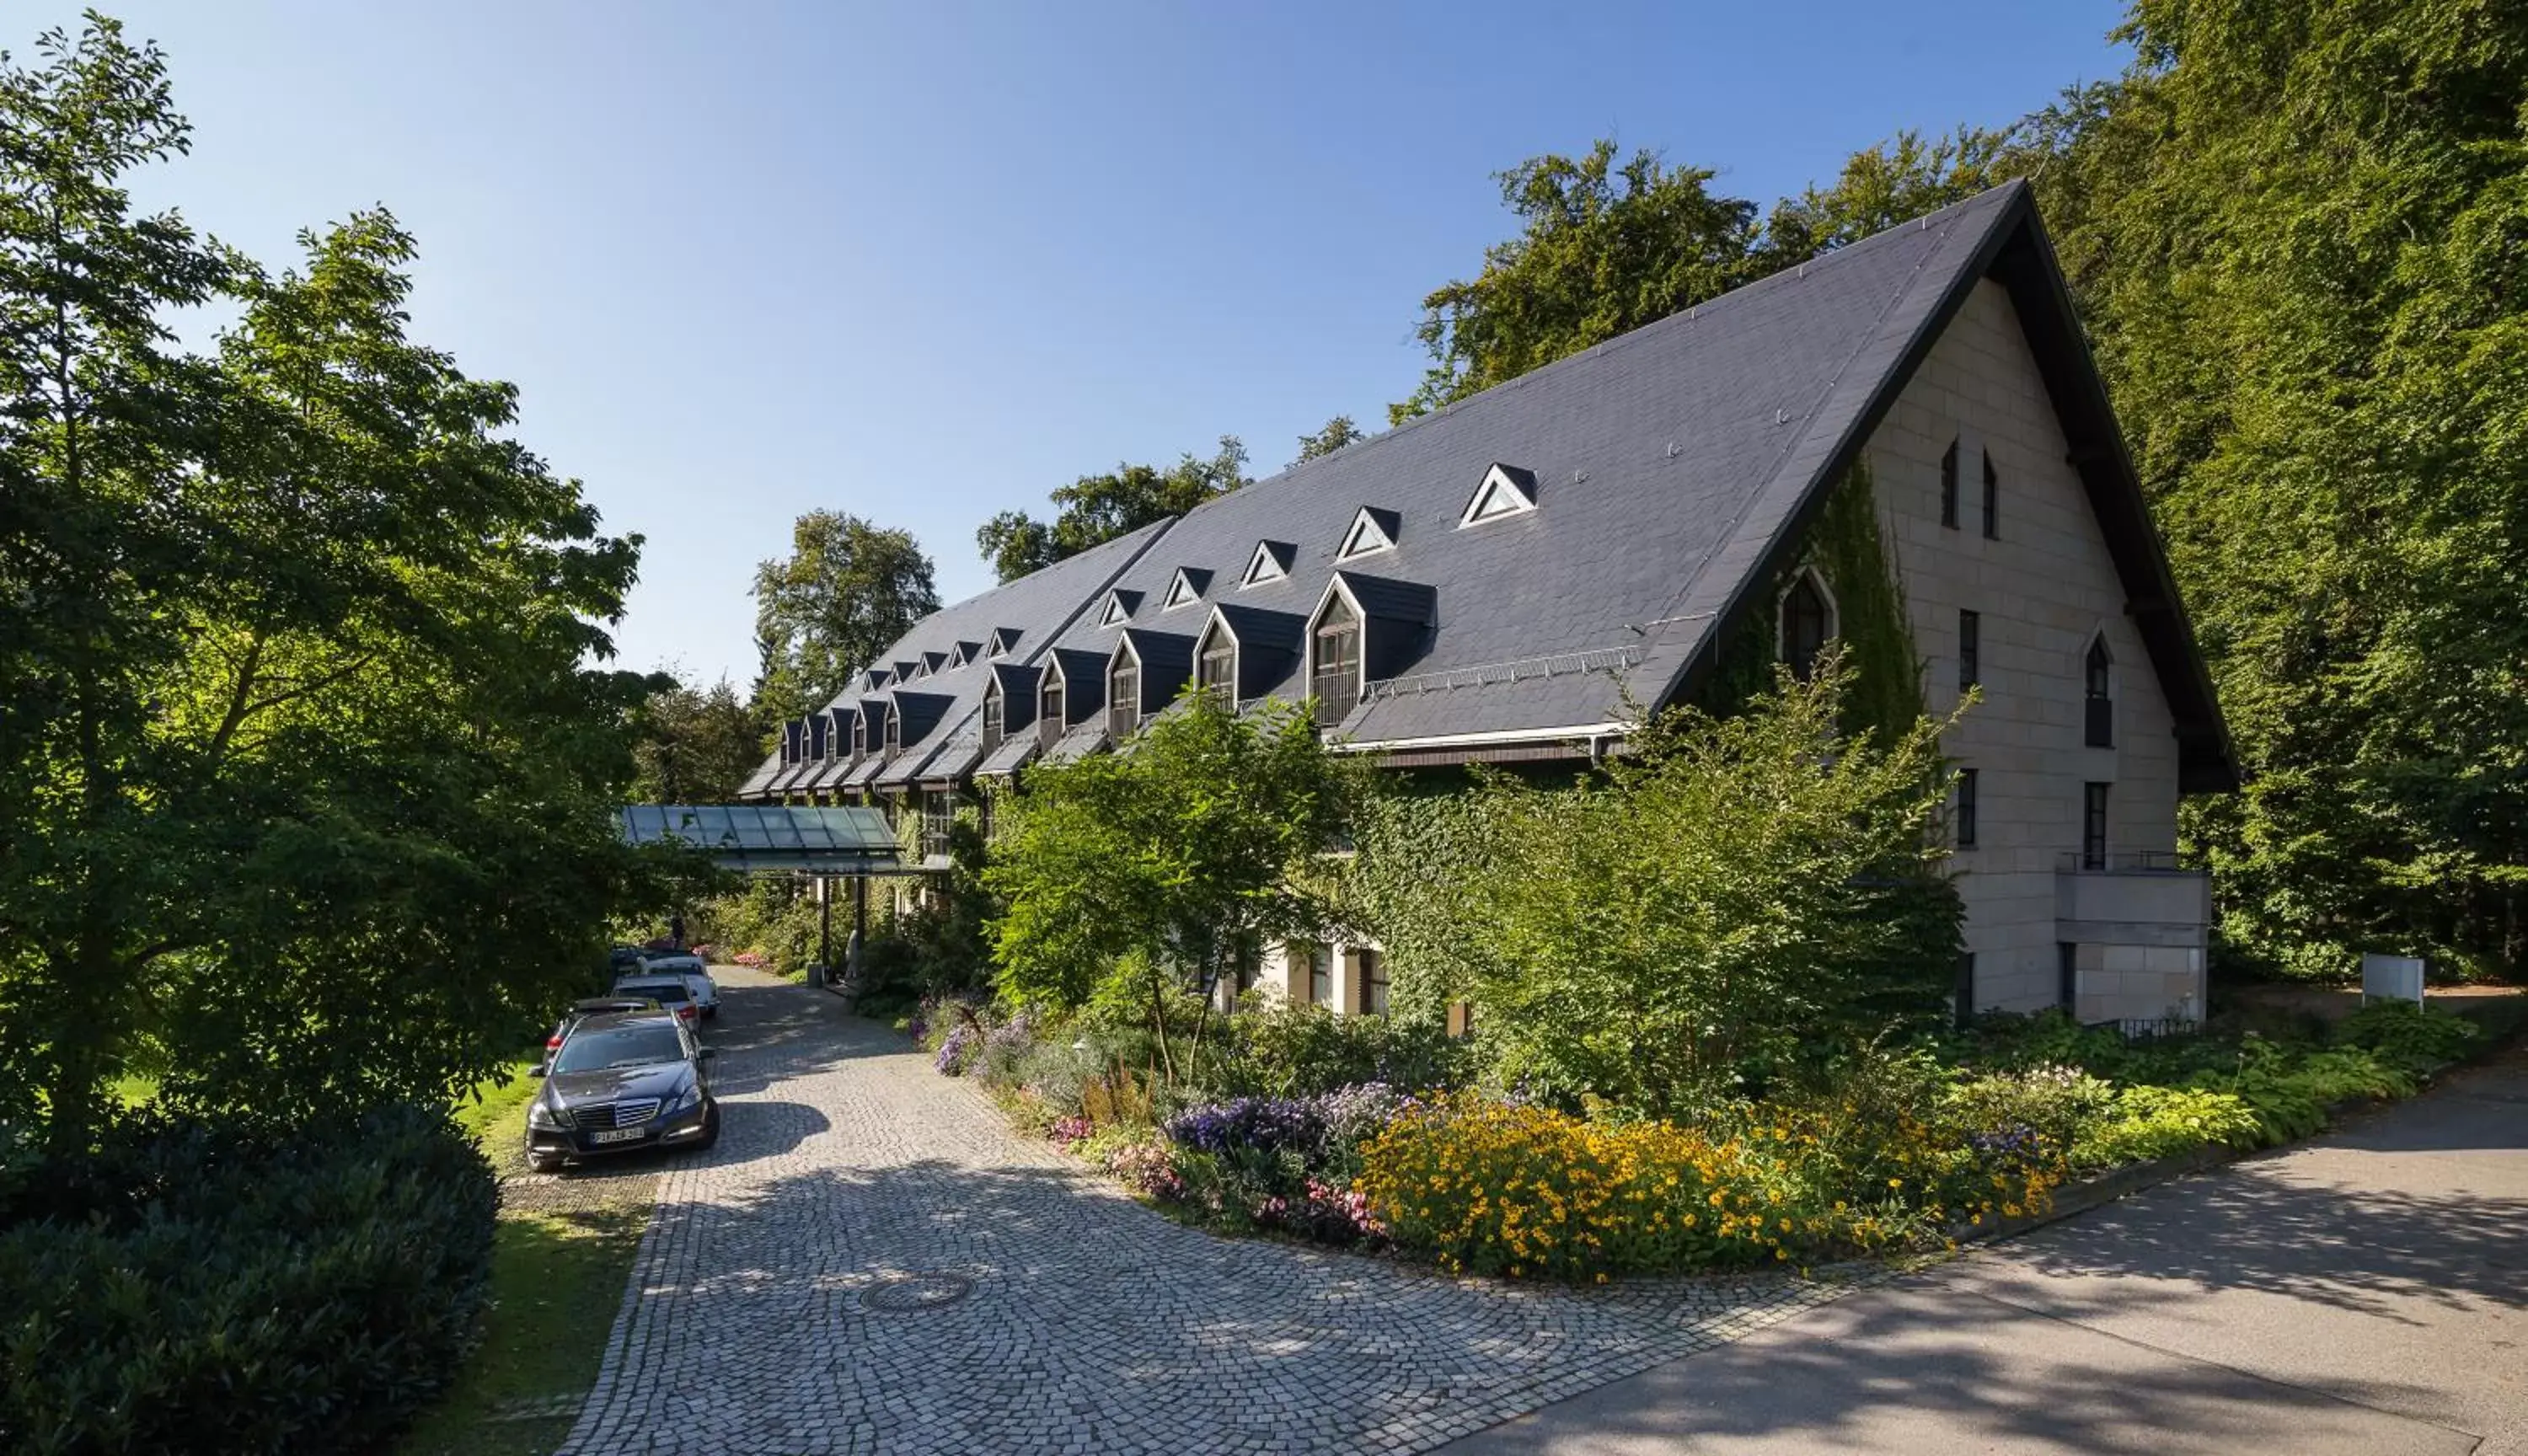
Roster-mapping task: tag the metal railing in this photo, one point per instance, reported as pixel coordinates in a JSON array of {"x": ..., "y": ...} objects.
[
  {"x": 2149, "y": 1028},
  {"x": 2124, "y": 861}
]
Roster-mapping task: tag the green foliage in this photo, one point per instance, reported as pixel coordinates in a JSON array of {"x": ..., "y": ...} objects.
[
  {"x": 1190, "y": 841},
  {"x": 697, "y": 745},
  {"x": 1699, "y": 908},
  {"x": 1278, "y": 1049},
  {"x": 305, "y": 786},
  {"x": 1097, "y": 508},
  {"x": 195, "y": 1289},
  {"x": 1606, "y": 247},
  {"x": 846, "y": 591},
  {"x": 2415, "y": 1040},
  {"x": 2145, "y": 1123},
  {"x": 1338, "y": 432}
]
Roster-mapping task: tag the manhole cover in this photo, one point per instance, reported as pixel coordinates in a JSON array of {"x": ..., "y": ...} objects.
[{"x": 927, "y": 1291}]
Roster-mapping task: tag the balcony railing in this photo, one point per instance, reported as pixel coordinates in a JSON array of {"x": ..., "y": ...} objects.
[{"x": 2126, "y": 861}]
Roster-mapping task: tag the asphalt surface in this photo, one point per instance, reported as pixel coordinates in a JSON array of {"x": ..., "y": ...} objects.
[{"x": 2364, "y": 1293}]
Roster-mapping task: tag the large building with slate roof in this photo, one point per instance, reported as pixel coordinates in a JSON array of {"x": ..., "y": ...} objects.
[{"x": 1496, "y": 580}]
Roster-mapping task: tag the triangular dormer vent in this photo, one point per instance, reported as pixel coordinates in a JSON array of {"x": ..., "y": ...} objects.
[
  {"x": 1005, "y": 640},
  {"x": 1270, "y": 563},
  {"x": 1505, "y": 490},
  {"x": 1119, "y": 608},
  {"x": 1185, "y": 590},
  {"x": 1372, "y": 530}
]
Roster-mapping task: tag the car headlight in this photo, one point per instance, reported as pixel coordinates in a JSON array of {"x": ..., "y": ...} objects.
[
  {"x": 540, "y": 1116},
  {"x": 687, "y": 1100}
]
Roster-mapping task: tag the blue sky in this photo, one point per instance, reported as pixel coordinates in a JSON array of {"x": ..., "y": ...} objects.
[{"x": 928, "y": 262}]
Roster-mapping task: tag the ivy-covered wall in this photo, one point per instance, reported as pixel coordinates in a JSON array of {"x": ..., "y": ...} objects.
[{"x": 1847, "y": 548}]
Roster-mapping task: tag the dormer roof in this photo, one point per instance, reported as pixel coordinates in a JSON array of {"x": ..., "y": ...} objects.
[
  {"x": 1268, "y": 563},
  {"x": 1186, "y": 587},
  {"x": 1372, "y": 529}
]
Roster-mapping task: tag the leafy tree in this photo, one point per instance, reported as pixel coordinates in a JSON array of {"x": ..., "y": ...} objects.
[
  {"x": 1605, "y": 247},
  {"x": 305, "y": 781},
  {"x": 1697, "y": 908},
  {"x": 1338, "y": 432},
  {"x": 1097, "y": 508},
  {"x": 847, "y": 590},
  {"x": 696, "y": 747},
  {"x": 1893, "y": 182},
  {"x": 1200, "y": 834}
]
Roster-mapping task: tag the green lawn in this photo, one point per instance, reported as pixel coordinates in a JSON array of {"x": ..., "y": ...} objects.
[{"x": 557, "y": 1281}]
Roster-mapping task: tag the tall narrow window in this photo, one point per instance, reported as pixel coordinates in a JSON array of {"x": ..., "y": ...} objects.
[
  {"x": 1970, "y": 650},
  {"x": 2098, "y": 719},
  {"x": 1949, "y": 486},
  {"x": 1216, "y": 670},
  {"x": 1966, "y": 991},
  {"x": 2066, "y": 975},
  {"x": 1048, "y": 711},
  {"x": 860, "y": 738},
  {"x": 894, "y": 733},
  {"x": 1803, "y": 625},
  {"x": 1321, "y": 975},
  {"x": 1373, "y": 982},
  {"x": 991, "y": 721},
  {"x": 1124, "y": 698},
  {"x": 1991, "y": 500},
  {"x": 1336, "y": 678},
  {"x": 1965, "y": 817},
  {"x": 2093, "y": 826}
]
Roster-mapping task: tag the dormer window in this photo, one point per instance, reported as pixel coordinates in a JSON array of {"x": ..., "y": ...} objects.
[
  {"x": 1334, "y": 673},
  {"x": 1005, "y": 640},
  {"x": 1049, "y": 710},
  {"x": 1123, "y": 694},
  {"x": 1215, "y": 666},
  {"x": 860, "y": 738},
  {"x": 1185, "y": 590},
  {"x": 894, "y": 733},
  {"x": 1505, "y": 490},
  {"x": 1270, "y": 563},
  {"x": 991, "y": 717},
  {"x": 1119, "y": 608},
  {"x": 1807, "y": 622},
  {"x": 1372, "y": 530}
]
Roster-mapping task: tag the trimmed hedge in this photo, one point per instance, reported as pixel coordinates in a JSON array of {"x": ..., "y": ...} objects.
[{"x": 209, "y": 1288}]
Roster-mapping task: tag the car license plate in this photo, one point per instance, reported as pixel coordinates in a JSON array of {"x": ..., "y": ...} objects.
[{"x": 619, "y": 1135}]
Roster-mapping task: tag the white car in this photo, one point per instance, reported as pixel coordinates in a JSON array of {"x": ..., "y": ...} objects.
[{"x": 698, "y": 981}]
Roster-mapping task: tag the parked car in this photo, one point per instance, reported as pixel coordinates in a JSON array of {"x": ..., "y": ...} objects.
[
  {"x": 623, "y": 960},
  {"x": 581, "y": 1011},
  {"x": 697, "y": 976},
  {"x": 622, "y": 1080},
  {"x": 669, "y": 990}
]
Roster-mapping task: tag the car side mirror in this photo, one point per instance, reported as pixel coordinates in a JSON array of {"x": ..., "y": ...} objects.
[{"x": 705, "y": 1054}]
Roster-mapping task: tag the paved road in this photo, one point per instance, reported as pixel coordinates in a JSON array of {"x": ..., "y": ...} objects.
[
  {"x": 2367, "y": 1293},
  {"x": 870, "y": 1261}
]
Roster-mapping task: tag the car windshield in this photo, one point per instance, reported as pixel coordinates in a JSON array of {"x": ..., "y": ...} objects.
[
  {"x": 654, "y": 990},
  {"x": 599, "y": 1048}
]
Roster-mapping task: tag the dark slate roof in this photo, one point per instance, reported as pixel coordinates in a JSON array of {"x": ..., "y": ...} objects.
[
  {"x": 1166, "y": 660},
  {"x": 1257, "y": 628},
  {"x": 1084, "y": 680},
  {"x": 761, "y": 781},
  {"x": 1014, "y": 750},
  {"x": 1676, "y": 468},
  {"x": 1080, "y": 742},
  {"x": 1017, "y": 694}
]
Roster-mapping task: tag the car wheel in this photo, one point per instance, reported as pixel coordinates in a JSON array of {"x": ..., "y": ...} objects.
[
  {"x": 710, "y": 1128},
  {"x": 545, "y": 1162}
]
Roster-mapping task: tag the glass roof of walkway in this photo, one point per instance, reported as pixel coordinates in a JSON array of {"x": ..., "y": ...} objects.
[{"x": 764, "y": 839}]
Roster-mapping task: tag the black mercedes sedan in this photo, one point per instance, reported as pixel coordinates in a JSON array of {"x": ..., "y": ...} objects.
[{"x": 622, "y": 1080}]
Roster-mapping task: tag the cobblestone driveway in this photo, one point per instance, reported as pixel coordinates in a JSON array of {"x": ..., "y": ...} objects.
[{"x": 781, "y": 1305}]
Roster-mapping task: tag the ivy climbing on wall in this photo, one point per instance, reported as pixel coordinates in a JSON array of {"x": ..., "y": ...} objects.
[{"x": 1846, "y": 547}]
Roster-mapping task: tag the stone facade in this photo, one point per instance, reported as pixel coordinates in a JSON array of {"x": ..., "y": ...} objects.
[{"x": 2043, "y": 586}]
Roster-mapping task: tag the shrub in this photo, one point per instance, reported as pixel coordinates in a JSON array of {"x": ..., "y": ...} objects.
[
  {"x": 2415, "y": 1040},
  {"x": 2059, "y": 1103},
  {"x": 955, "y": 1048},
  {"x": 2143, "y": 1122},
  {"x": 1285, "y": 1050},
  {"x": 2290, "y": 1091},
  {"x": 196, "y": 1288}
]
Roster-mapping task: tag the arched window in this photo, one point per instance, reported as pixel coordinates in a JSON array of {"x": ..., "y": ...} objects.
[
  {"x": 1335, "y": 676},
  {"x": 1215, "y": 669},
  {"x": 1048, "y": 711},
  {"x": 1806, "y": 623},
  {"x": 1122, "y": 695},
  {"x": 991, "y": 717},
  {"x": 2098, "y": 720}
]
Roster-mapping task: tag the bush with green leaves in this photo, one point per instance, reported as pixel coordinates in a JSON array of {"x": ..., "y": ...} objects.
[
  {"x": 199, "y": 1287},
  {"x": 2139, "y": 1124},
  {"x": 2414, "y": 1039},
  {"x": 1701, "y": 909},
  {"x": 1281, "y": 1049}
]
